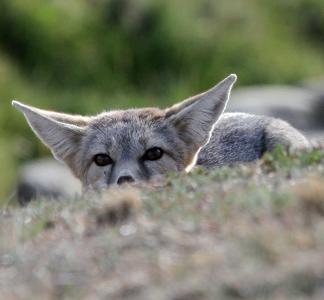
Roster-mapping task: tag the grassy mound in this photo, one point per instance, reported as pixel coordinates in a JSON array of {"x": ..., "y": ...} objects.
[{"x": 247, "y": 232}]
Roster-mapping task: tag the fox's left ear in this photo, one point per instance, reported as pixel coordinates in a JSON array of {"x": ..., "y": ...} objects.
[
  {"x": 62, "y": 133},
  {"x": 194, "y": 118}
]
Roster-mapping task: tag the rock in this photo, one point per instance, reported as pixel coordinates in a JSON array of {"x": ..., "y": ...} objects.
[
  {"x": 302, "y": 107},
  {"x": 297, "y": 105},
  {"x": 46, "y": 178}
]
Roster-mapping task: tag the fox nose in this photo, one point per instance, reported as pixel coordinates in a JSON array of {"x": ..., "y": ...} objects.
[{"x": 124, "y": 179}]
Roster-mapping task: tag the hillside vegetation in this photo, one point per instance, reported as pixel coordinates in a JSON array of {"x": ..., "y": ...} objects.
[{"x": 248, "y": 232}]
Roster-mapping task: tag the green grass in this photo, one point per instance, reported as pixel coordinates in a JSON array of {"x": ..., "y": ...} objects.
[{"x": 246, "y": 232}]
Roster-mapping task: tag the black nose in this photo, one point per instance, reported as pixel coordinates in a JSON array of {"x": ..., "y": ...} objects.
[{"x": 124, "y": 179}]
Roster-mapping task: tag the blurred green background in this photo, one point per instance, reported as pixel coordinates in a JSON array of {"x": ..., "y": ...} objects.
[{"x": 83, "y": 56}]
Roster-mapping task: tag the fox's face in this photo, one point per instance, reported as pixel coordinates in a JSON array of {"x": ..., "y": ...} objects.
[{"x": 131, "y": 145}]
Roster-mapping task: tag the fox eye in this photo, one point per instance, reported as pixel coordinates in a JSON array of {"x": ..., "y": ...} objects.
[
  {"x": 102, "y": 159},
  {"x": 154, "y": 153}
]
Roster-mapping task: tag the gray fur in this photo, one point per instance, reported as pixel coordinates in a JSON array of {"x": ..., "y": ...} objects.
[
  {"x": 241, "y": 137},
  {"x": 185, "y": 132}
]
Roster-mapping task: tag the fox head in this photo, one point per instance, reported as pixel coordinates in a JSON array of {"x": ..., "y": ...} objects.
[{"x": 130, "y": 145}]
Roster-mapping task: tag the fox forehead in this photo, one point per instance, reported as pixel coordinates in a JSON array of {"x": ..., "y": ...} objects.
[
  {"x": 128, "y": 133},
  {"x": 149, "y": 115}
]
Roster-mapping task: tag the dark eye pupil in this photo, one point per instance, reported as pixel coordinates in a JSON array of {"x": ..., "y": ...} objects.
[
  {"x": 102, "y": 160},
  {"x": 153, "y": 154}
]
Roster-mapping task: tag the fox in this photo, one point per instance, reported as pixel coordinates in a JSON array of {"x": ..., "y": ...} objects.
[{"x": 136, "y": 145}]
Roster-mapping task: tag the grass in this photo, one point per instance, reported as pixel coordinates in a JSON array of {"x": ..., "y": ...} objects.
[{"x": 246, "y": 232}]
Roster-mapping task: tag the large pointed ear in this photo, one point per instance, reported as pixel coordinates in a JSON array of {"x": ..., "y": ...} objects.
[
  {"x": 62, "y": 133},
  {"x": 194, "y": 118}
]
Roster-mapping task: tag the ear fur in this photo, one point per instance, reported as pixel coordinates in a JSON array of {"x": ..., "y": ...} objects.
[
  {"x": 194, "y": 118},
  {"x": 62, "y": 133}
]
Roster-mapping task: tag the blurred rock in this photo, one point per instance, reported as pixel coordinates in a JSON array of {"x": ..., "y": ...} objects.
[
  {"x": 46, "y": 178},
  {"x": 294, "y": 104},
  {"x": 303, "y": 107},
  {"x": 316, "y": 84}
]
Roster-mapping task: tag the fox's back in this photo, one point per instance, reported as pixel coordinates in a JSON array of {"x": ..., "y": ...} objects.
[{"x": 241, "y": 137}]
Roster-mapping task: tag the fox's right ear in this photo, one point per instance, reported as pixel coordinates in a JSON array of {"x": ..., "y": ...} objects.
[
  {"x": 194, "y": 118},
  {"x": 62, "y": 133}
]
